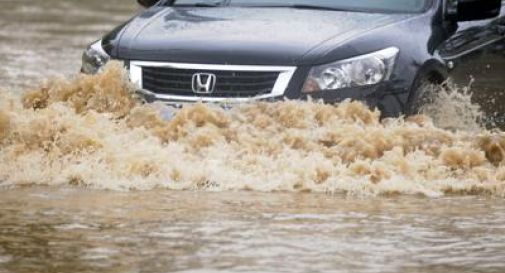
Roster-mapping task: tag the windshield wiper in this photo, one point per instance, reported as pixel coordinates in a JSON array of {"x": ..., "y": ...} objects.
[
  {"x": 207, "y": 4},
  {"x": 304, "y": 6},
  {"x": 221, "y": 3}
]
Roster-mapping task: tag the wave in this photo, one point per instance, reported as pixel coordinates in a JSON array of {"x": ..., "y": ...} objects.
[{"x": 92, "y": 131}]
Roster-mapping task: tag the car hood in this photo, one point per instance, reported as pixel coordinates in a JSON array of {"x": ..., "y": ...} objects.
[{"x": 234, "y": 35}]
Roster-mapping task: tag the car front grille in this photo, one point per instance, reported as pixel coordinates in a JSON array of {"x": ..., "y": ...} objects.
[{"x": 229, "y": 84}]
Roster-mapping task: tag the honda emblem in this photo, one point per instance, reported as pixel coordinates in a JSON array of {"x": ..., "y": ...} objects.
[{"x": 203, "y": 83}]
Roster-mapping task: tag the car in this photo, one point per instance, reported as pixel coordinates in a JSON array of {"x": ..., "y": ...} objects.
[{"x": 378, "y": 52}]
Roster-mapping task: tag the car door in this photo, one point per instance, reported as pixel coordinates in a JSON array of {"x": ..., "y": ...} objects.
[{"x": 475, "y": 53}]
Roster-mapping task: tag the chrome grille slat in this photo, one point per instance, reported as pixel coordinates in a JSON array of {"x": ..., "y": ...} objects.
[
  {"x": 220, "y": 93},
  {"x": 221, "y": 74},
  {"x": 223, "y": 82}
]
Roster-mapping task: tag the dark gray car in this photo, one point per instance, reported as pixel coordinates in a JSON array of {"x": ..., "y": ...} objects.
[{"x": 375, "y": 51}]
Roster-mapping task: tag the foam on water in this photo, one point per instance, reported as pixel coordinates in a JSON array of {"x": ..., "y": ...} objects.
[
  {"x": 451, "y": 107},
  {"x": 92, "y": 132}
]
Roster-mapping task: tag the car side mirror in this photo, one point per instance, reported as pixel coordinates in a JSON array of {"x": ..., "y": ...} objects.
[
  {"x": 147, "y": 3},
  {"x": 471, "y": 10}
]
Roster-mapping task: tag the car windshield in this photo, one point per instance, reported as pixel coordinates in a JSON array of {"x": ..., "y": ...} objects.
[{"x": 354, "y": 5}]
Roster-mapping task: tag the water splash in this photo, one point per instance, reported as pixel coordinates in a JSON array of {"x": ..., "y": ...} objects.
[
  {"x": 92, "y": 132},
  {"x": 451, "y": 107}
]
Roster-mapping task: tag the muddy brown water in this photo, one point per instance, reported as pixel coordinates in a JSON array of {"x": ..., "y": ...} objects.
[{"x": 102, "y": 227}]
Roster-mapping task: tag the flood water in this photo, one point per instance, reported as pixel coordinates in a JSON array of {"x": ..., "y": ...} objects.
[
  {"x": 46, "y": 37},
  {"x": 94, "y": 225},
  {"x": 70, "y": 230}
]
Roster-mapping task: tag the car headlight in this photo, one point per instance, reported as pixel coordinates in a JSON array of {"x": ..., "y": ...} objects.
[
  {"x": 363, "y": 70},
  {"x": 94, "y": 58}
]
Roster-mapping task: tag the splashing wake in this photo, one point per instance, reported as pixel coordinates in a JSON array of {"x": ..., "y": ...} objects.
[{"x": 92, "y": 132}]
